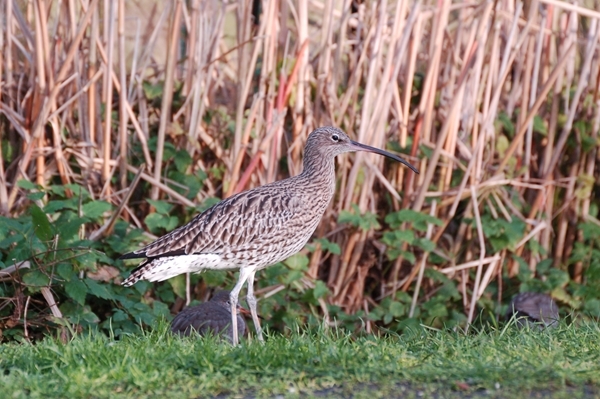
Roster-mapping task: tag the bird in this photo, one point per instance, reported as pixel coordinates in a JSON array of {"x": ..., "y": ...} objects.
[
  {"x": 212, "y": 316},
  {"x": 255, "y": 228},
  {"x": 533, "y": 309}
]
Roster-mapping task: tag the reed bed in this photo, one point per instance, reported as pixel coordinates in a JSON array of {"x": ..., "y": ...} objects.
[{"x": 496, "y": 102}]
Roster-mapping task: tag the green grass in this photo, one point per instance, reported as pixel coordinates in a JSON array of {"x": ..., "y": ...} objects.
[{"x": 499, "y": 363}]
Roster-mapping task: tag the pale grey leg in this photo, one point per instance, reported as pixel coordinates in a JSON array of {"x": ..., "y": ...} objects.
[
  {"x": 233, "y": 300},
  {"x": 252, "y": 305}
]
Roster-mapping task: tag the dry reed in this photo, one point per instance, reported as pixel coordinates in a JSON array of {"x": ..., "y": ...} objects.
[{"x": 436, "y": 76}]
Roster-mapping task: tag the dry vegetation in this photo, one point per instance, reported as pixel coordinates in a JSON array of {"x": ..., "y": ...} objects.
[{"x": 496, "y": 102}]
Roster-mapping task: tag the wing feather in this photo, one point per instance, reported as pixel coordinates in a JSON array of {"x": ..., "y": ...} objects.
[{"x": 245, "y": 219}]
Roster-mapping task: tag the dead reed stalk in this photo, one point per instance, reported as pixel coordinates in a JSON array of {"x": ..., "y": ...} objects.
[{"x": 485, "y": 94}]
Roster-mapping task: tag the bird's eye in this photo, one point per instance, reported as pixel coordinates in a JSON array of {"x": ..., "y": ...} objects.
[{"x": 335, "y": 137}]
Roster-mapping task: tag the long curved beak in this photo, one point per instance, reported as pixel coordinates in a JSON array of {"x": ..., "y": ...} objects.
[
  {"x": 246, "y": 312},
  {"x": 368, "y": 148}
]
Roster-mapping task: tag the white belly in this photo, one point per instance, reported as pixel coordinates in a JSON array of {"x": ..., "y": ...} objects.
[{"x": 171, "y": 266}]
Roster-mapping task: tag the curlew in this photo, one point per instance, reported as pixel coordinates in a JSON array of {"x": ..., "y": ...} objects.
[
  {"x": 212, "y": 316},
  {"x": 256, "y": 228}
]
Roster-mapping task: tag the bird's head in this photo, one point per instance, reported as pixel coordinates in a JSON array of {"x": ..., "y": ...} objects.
[
  {"x": 222, "y": 298},
  {"x": 329, "y": 141}
]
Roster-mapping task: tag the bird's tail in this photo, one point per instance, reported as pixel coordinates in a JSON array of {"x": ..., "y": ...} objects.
[
  {"x": 165, "y": 267},
  {"x": 137, "y": 274}
]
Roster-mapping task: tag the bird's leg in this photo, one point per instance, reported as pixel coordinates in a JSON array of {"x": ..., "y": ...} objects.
[
  {"x": 252, "y": 305},
  {"x": 233, "y": 301}
]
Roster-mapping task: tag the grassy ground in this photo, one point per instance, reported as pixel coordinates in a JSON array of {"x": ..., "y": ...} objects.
[{"x": 498, "y": 363}]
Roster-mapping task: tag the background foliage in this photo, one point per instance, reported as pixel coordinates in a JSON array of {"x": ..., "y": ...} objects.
[{"x": 120, "y": 122}]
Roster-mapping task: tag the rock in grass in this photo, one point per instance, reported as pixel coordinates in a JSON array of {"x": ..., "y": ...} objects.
[
  {"x": 213, "y": 317},
  {"x": 533, "y": 309}
]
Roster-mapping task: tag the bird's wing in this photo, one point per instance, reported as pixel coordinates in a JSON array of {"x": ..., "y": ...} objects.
[
  {"x": 203, "y": 319},
  {"x": 184, "y": 319},
  {"x": 541, "y": 308},
  {"x": 237, "y": 222},
  {"x": 536, "y": 305}
]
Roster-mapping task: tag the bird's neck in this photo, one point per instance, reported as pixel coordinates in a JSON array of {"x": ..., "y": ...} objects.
[
  {"x": 318, "y": 167},
  {"x": 319, "y": 174}
]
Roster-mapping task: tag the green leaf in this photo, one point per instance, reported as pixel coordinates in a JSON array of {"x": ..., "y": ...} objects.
[
  {"x": 36, "y": 278},
  {"x": 292, "y": 276},
  {"x": 588, "y": 143},
  {"x": 152, "y": 91},
  {"x": 501, "y": 233},
  {"x": 90, "y": 317},
  {"x": 77, "y": 290},
  {"x": 369, "y": 221},
  {"x": 366, "y": 221},
  {"x": 585, "y": 186},
  {"x": 189, "y": 185},
  {"x": 436, "y": 275},
  {"x": 387, "y": 319},
  {"x": 161, "y": 206},
  {"x": 11, "y": 225},
  {"x": 558, "y": 278},
  {"x": 539, "y": 126},
  {"x": 404, "y": 296},
  {"x": 419, "y": 220},
  {"x": 297, "y": 262},
  {"x": 78, "y": 191},
  {"x": 160, "y": 309},
  {"x": 28, "y": 185},
  {"x": 426, "y": 245},
  {"x": 213, "y": 277},
  {"x": 544, "y": 265},
  {"x": 58, "y": 205},
  {"x": 36, "y": 196},
  {"x": 329, "y": 246},
  {"x": 95, "y": 209},
  {"x": 593, "y": 210},
  {"x": 409, "y": 256},
  {"x": 210, "y": 201},
  {"x": 506, "y": 123},
  {"x": 589, "y": 230},
  {"x": 397, "y": 309},
  {"x": 41, "y": 224},
  {"x": 348, "y": 217},
  {"x": 69, "y": 231},
  {"x": 502, "y": 145},
  {"x": 7, "y": 149},
  {"x": 563, "y": 296},
  {"x": 143, "y": 312},
  {"x": 89, "y": 259},
  {"x": 397, "y": 237},
  {"x": 449, "y": 291},
  {"x": 9, "y": 241},
  {"x": 182, "y": 161},
  {"x": 178, "y": 284},
  {"x": 98, "y": 290},
  {"x": 169, "y": 151},
  {"x": 58, "y": 189},
  {"x": 156, "y": 221},
  {"x": 320, "y": 289},
  {"x": 65, "y": 270},
  {"x": 172, "y": 223},
  {"x": 592, "y": 307},
  {"x": 434, "y": 308},
  {"x": 394, "y": 253}
]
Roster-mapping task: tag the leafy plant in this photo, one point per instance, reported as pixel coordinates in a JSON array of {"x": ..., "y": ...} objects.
[
  {"x": 81, "y": 273},
  {"x": 366, "y": 221},
  {"x": 397, "y": 238}
]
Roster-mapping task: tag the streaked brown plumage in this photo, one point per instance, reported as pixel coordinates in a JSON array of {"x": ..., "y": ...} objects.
[
  {"x": 533, "y": 309},
  {"x": 256, "y": 228},
  {"x": 213, "y": 316}
]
